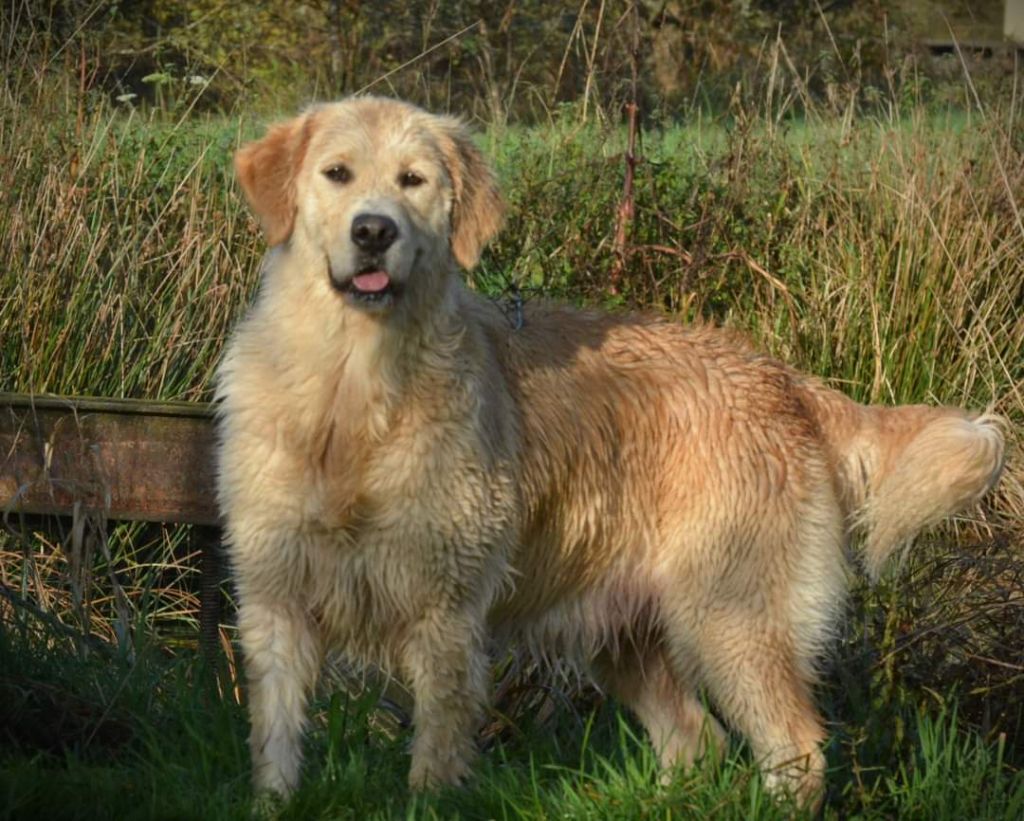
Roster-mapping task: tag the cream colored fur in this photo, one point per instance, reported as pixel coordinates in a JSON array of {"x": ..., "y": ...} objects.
[{"x": 417, "y": 483}]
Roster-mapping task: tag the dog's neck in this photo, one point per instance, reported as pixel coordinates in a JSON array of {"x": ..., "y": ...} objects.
[
  {"x": 365, "y": 362},
  {"x": 347, "y": 374}
]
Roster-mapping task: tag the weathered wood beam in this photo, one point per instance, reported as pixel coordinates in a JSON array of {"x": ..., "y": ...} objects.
[
  {"x": 123, "y": 459},
  {"x": 127, "y": 459}
]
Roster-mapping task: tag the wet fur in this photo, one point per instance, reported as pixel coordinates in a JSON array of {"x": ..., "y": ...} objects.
[{"x": 659, "y": 504}]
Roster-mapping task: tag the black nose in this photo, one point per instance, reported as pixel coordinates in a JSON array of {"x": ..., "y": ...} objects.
[{"x": 374, "y": 232}]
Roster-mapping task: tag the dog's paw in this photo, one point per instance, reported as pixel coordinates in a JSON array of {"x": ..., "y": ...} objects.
[
  {"x": 267, "y": 805},
  {"x": 430, "y": 776},
  {"x": 802, "y": 786}
]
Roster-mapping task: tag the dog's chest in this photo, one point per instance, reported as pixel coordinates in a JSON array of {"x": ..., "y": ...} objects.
[
  {"x": 409, "y": 547},
  {"x": 432, "y": 520}
]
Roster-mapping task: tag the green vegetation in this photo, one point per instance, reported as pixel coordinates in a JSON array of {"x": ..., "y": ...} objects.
[
  {"x": 862, "y": 220},
  {"x": 155, "y": 740}
]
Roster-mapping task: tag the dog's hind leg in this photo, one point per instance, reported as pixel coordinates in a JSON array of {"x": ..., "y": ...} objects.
[
  {"x": 282, "y": 653},
  {"x": 445, "y": 661},
  {"x": 754, "y": 676},
  {"x": 680, "y": 729}
]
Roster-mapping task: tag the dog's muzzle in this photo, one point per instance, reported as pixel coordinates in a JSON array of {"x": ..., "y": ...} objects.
[{"x": 371, "y": 286}]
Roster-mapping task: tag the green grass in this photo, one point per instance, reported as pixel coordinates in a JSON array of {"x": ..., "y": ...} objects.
[
  {"x": 153, "y": 740},
  {"x": 882, "y": 251}
]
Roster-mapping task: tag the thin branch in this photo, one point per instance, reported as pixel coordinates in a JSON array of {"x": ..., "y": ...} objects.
[
  {"x": 627, "y": 206},
  {"x": 419, "y": 56}
]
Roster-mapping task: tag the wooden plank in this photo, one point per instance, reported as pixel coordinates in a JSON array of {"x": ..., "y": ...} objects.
[
  {"x": 127, "y": 459},
  {"x": 1013, "y": 20}
]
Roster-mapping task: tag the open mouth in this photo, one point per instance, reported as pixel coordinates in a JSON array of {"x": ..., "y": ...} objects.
[{"x": 370, "y": 287}]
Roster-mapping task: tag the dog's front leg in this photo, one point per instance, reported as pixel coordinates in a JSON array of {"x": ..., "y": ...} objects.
[
  {"x": 282, "y": 652},
  {"x": 445, "y": 662}
]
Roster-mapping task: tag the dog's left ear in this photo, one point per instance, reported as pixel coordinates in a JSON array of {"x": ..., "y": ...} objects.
[
  {"x": 478, "y": 209},
  {"x": 267, "y": 169}
]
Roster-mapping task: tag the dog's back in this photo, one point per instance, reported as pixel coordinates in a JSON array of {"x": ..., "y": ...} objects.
[{"x": 627, "y": 422}]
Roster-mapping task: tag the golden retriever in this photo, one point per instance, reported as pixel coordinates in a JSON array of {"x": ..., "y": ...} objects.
[{"x": 407, "y": 477}]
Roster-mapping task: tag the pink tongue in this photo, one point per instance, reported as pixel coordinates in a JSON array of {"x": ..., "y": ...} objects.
[{"x": 372, "y": 281}]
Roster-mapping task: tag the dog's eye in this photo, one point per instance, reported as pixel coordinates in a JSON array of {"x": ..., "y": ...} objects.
[
  {"x": 338, "y": 173},
  {"x": 410, "y": 179}
]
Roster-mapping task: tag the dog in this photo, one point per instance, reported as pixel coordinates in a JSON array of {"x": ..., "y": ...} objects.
[{"x": 408, "y": 477}]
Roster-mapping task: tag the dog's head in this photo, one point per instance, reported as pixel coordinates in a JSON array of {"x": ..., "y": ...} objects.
[{"x": 385, "y": 193}]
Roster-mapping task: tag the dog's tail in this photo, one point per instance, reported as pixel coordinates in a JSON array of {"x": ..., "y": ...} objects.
[{"x": 901, "y": 469}]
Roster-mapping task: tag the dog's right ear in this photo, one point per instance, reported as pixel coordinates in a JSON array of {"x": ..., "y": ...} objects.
[{"x": 267, "y": 170}]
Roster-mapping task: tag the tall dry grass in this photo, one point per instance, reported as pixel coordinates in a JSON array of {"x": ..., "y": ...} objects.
[{"x": 128, "y": 255}]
